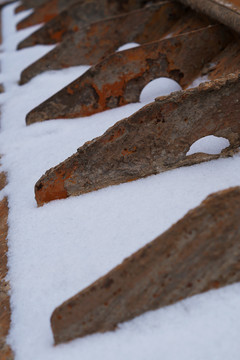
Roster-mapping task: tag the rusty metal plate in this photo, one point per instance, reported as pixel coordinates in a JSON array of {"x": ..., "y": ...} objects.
[
  {"x": 199, "y": 253},
  {"x": 92, "y": 43},
  {"x": 153, "y": 140},
  {"x": 75, "y": 17},
  {"x": 119, "y": 79}
]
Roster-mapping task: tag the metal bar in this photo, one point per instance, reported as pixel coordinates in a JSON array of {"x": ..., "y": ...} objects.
[
  {"x": 226, "y": 12},
  {"x": 92, "y": 43},
  {"x": 119, "y": 79},
  {"x": 153, "y": 140},
  {"x": 199, "y": 253}
]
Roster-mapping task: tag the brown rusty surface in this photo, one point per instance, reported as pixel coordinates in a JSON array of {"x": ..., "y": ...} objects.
[
  {"x": 119, "y": 79},
  {"x": 5, "y": 312},
  {"x": 3, "y": 180},
  {"x": 46, "y": 12},
  {"x": 153, "y": 140},
  {"x": 226, "y": 12},
  {"x": 197, "y": 254},
  {"x": 92, "y": 43},
  {"x": 77, "y": 16}
]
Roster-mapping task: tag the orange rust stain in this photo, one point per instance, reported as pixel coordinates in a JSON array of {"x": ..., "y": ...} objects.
[
  {"x": 70, "y": 91},
  {"x": 125, "y": 152},
  {"x": 53, "y": 188},
  {"x": 57, "y": 35},
  {"x": 75, "y": 28},
  {"x": 48, "y": 17},
  {"x": 115, "y": 135}
]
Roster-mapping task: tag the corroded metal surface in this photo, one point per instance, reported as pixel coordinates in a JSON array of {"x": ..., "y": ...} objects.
[
  {"x": 119, "y": 79},
  {"x": 92, "y": 43},
  {"x": 77, "y": 16},
  {"x": 226, "y": 12},
  {"x": 154, "y": 139},
  {"x": 46, "y": 12},
  {"x": 199, "y": 253}
]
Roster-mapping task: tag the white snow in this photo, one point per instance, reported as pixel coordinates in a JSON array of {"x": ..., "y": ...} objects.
[
  {"x": 60, "y": 248},
  {"x": 209, "y": 145}
]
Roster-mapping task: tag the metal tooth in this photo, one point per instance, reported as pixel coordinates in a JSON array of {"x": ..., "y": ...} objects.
[
  {"x": 153, "y": 140},
  {"x": 77, "y": 16},
  {"x": 91, "y": 44},
  {"x": 119, "y": 79},
  {"x": 46, "y": 12},
  {"x": 29, "y": 4},
  {"x": 197, "y": 254}
]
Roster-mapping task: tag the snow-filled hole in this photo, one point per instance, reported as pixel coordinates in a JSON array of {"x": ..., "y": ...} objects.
[
  {"x": 209, "y": 145},
  {"x": 127, "y": 46},
  {"x": 158, "y": 87}
]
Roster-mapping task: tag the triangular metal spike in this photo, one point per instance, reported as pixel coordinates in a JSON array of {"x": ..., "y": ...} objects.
[
  {"x": 92, "y": 43},
  {"x": 77, "y": 16},
  {"x": 46, "y": 12},
  {"x": 199, "y": 253},
  {"x": 107, "y": 85},
  {"x": 155, "y": 139}
]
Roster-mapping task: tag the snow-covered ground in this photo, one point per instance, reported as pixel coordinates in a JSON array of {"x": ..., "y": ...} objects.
[{"x": 60, "y": 248}]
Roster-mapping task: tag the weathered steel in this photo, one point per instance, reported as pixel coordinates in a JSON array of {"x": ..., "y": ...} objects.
[
  {"x": 92, "y": 43},
  {"x": 153, "y": 140},
  {"x": 105, "y": 85},
  {"x": 199, "y": 253},
  {"x": 77, "y": 16},
  {"x": 226, "y": 12},
  {"x": 98, "y": 40},
  {"x": 46, "y": 12}
]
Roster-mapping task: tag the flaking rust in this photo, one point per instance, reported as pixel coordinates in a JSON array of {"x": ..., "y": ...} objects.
[
  {"x": 107, "y": 85},
  {"x": 92, "y": 43},
  {"x": 199, "y": 253},
  {"x": 76, "y": 16},
  {"x": 153, "y": 140}
]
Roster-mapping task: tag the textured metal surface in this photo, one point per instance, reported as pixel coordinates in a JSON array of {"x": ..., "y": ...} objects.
[
  {"x": 46, "y": 12},
  {"x": 154, "y": 139},
  {"x": 119, "y": 79},
  {"x": 199, "y": 253},
  {"x": 92, "y": 43},
  {"x": 76, "y": 16}
]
